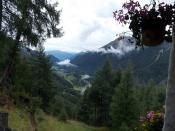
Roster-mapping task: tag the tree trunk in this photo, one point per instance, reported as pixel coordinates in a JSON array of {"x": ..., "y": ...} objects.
[
  {"x": 33, "y": 121},
  {"x": 4, "y": 79},
  {"x": 169, "y": 124},
  {"x": 1, "y": 7},
  {"x": 8, "y": 70}
]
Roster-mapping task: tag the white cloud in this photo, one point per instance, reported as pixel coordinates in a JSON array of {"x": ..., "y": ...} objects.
[
  {"x": 85, "y": 77},
  {"x": 87, "y": 24},
  {"x": 65, "y": 63}
]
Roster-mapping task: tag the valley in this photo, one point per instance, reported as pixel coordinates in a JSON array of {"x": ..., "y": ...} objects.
[{"x": 146, "y": 62}]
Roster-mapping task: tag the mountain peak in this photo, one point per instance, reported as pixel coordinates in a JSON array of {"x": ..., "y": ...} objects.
[{"x": 119, "y": 46}]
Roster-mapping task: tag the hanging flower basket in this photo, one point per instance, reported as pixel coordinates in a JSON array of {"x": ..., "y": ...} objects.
[
  {"x": 150, "y": 24},
  {"x": 152, "y": 32}
]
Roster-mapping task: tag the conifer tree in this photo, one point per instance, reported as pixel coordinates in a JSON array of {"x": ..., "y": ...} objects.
[
  {"x": 95, "y": 105},
  {"x": 42, "y": 85},
  {"x": 150, "y": 92},
  {"x": 84, "y": 108},
  {"x": 151, "y": 97},
  {"x": 32, "y": 82},
  {"x": 124, "y": 104},
  {"x": 28, "y": 23}
]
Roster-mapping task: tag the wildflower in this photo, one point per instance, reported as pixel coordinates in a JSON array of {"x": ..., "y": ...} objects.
[{"x": 150, "y": 115}]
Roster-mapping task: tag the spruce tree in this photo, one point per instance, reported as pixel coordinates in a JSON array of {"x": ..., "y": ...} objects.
[
  {"x": 124, "y": 104},
  {"x": 33, "y": 81},
  {"x": 28, "y": 23},
  {"x": 42, "y": 85},
  {"x": 100, "y": 95},
  {"x": 150, "y": 92},
  {"x": 96, "y": 101},
  {"x": 151, "y": 97},
  {"x": 84, "y": 111}
]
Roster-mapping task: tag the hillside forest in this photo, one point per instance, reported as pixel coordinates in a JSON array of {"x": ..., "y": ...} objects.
[{"x": 118, "y": 94}]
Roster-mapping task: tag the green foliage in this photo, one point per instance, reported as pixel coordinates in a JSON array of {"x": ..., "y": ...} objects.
[
  {"x": 149, "y": 92},
  {"x": 39, "y": 115},
  {"x": 33, "y": 86},
  {"x": 84, "y": 109},
  {"x": 124, "y": 108},
  {"x": 19, "y": 120},
  {"x": 27, "y": 23},
  {"x": 6, "y": 45},
  {"x": 32, "y": 82},
  {"x": 42, "y": 78},
  {"x": 149, "y": 17},
  {"x": 156, "y": 95},
  {"x": 56, "y": 105},
  {"x": 153, "y": 121},
  {"x": 66, "y": 96},
  {"x": 30, "y": 20},
  {"x": 124, "y": 127},
  {"x": 63, "y": 114},
  {"x": 95, "y": 103},
  {"x": 36, "y": 86},
  {"x": 130, "y": 99}
]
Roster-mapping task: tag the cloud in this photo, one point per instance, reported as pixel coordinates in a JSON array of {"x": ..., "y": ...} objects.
[
  {"x": 88, "y": 30},
  {"x": 66, "y": 63},
  {"x": 85, "y": 77},
  {"x": 87, "y": 24}
]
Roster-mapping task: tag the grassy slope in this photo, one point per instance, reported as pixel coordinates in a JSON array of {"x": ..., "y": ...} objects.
[{"x": 19, "y": 120}]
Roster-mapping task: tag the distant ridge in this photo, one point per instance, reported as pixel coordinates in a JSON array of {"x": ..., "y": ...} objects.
[
  {"x": 148, "y": 63},
  {"x": 61, "y": 55}
]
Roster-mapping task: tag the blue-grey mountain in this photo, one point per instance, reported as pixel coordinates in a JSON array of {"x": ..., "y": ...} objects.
[
  {"x": 61, "y": 55},
  {"x": 148, "y": 63}
]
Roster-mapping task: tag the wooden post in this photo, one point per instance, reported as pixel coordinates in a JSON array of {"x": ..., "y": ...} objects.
[
  {"x": 4, "y": 122},
  {"x": 169, "y": 124}
]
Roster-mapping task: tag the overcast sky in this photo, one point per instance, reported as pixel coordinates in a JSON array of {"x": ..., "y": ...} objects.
[{"x": 87, "y": 25}]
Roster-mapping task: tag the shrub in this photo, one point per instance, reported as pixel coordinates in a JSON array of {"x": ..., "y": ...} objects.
[{"x": 153, "y": 121}]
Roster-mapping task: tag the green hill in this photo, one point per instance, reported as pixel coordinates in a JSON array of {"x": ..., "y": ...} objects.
[{"x": 19, "y": 121}]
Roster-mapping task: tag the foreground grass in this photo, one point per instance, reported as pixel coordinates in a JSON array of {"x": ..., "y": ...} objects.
[{"x": 19, "y": 121}]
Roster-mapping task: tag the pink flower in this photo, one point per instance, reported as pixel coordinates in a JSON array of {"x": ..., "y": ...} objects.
[{"x": 150, "y": 115}]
